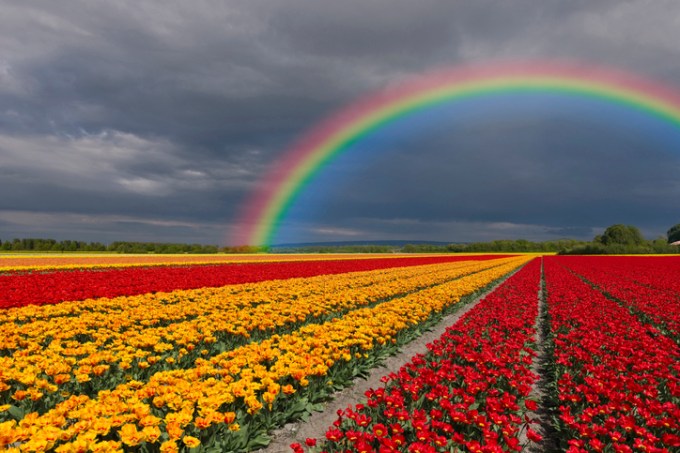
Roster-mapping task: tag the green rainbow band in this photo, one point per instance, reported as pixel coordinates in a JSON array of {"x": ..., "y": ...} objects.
[{"x": 338, "y": 134}]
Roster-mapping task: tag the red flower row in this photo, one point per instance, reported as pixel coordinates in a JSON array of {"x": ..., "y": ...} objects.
[
  {"x": 469, "y": 391},
  {"x": 618, "y": 378},
  {"x": 649, "y": 285},
  {"x": 48, "y": 288}
]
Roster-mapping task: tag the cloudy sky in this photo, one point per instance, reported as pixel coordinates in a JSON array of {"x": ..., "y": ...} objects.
[{"x": 155, "y": 120}]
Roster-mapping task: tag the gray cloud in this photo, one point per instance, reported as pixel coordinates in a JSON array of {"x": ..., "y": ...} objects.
[{"x": 157, "y": 118}]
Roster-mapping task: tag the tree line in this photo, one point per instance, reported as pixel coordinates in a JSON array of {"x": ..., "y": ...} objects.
[
  {"x": 505, "y": 245},
  {"x": 616, "y": 239},
  {"x": 627, "y": 239},
  {"x": 52, "y": 245}
]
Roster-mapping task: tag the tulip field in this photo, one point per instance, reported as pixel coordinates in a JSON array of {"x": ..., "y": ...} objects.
[{"x": 213, "y": 354}]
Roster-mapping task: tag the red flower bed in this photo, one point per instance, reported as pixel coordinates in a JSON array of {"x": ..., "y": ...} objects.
[
  {"x": 53, "y": 287},
  {"x": 468, "y": 392},
  {"x": 618, "y": 378},
  {"x": 649, "y": 285}
]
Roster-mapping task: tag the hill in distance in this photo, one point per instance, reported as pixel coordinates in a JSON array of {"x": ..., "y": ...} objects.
[{"x": 340, "y": 244}]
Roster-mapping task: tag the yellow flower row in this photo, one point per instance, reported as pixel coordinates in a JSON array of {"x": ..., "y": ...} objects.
[
  {"x": 107, "y": 305},
  {"x": 188, "y": 404},
  {"x": 112, "y": 338}
]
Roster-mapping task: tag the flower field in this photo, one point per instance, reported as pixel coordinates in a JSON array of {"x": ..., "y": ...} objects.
[
  {"x": 648, "y": 286},
  {"x": 204, "y": 360},
  {"x": 618, "y": 376},
  {"x": 468, "y": 393},
  {"x": 18, "y": 289},
  {"x": 30, "y": 262},
  {"x": 216, "y": 366},
  {"x": 611, "y": 369}
]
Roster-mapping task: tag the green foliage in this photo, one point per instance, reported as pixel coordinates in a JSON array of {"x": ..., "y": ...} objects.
[
  {"x": 51, "y": 245},
  {"x": 673, "y": 233},
  {"x": 158, "y": 247},
  {"x": 345, "y": 248},
  {"x": 622, "y": 235},
  {"x": 424, "y": 248},
  {"x": 592, "y": 248},
  {"x": 516, "y": 246},
  {"x": 501, "y": 246},
  {"x": 621, "y": 240},
  {"x": 617, "y": 239}
]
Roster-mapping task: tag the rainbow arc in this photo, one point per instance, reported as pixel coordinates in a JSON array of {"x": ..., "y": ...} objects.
[{"x": 263, "y": 214}]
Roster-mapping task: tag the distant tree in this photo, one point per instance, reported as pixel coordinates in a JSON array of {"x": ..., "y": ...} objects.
[
  {"x": 245, "y": 249},
  {"x": 592, "y": 248},
  {"x": 622, "y": 235},
  {"x": 673, "y": 234}
]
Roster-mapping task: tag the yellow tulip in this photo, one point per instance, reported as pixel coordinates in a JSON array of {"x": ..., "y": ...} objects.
[
  {"x": 169, "y": 446},
  {"x": 191, "y": 441},
  {"x": 130, "y": 436}
]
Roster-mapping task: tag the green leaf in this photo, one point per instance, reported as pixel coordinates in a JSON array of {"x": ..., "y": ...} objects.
[
  {"x": 259, "y": 441},
  {"x": 214, "y": 449},
  {"x": 316, "y": 407},
  {"x": 16, "y": 412}
]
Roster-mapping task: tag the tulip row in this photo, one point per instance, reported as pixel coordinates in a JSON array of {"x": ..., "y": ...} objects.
[
  {"x": 224, "y": 402},
  {"x": 648, "y": 285},
  {"x": 52, "y": 351},
  {"x": 468, "y": 393},
  {"x": 52, "y": 287},
  {"x": 618, "y": 378},
  {"x": 14, "y": 263}
]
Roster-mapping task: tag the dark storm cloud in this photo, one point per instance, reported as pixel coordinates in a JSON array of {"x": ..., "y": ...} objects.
[{"x": 156, "y": 119}]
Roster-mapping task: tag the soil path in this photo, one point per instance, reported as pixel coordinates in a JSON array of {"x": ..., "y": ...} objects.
[{"x": 539, "y": 392}]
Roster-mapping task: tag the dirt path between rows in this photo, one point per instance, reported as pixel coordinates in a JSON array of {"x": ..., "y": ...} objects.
[
  {"x": 319, "y": 422},
  {"x": 539, "y": 389}
]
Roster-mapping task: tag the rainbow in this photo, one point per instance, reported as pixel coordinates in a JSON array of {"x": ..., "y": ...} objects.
[{"x": 264, "y": 212}]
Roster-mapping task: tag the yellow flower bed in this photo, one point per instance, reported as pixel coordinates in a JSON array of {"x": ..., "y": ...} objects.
[
  {"x": 76, "y": 342},
  {"x": 216, "y": 395},
  {"x": 53, "y": 349}
]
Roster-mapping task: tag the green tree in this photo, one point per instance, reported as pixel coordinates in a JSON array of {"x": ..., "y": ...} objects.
[
  {"x": 673, "y": 234},
  {"x": 622, "y": 235}
]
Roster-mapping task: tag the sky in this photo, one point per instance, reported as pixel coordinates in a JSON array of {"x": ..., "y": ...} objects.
[{"x": 156, "y": 120}]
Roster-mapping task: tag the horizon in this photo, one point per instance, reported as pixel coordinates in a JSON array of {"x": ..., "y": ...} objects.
[{"x": 397, "y": 242}]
